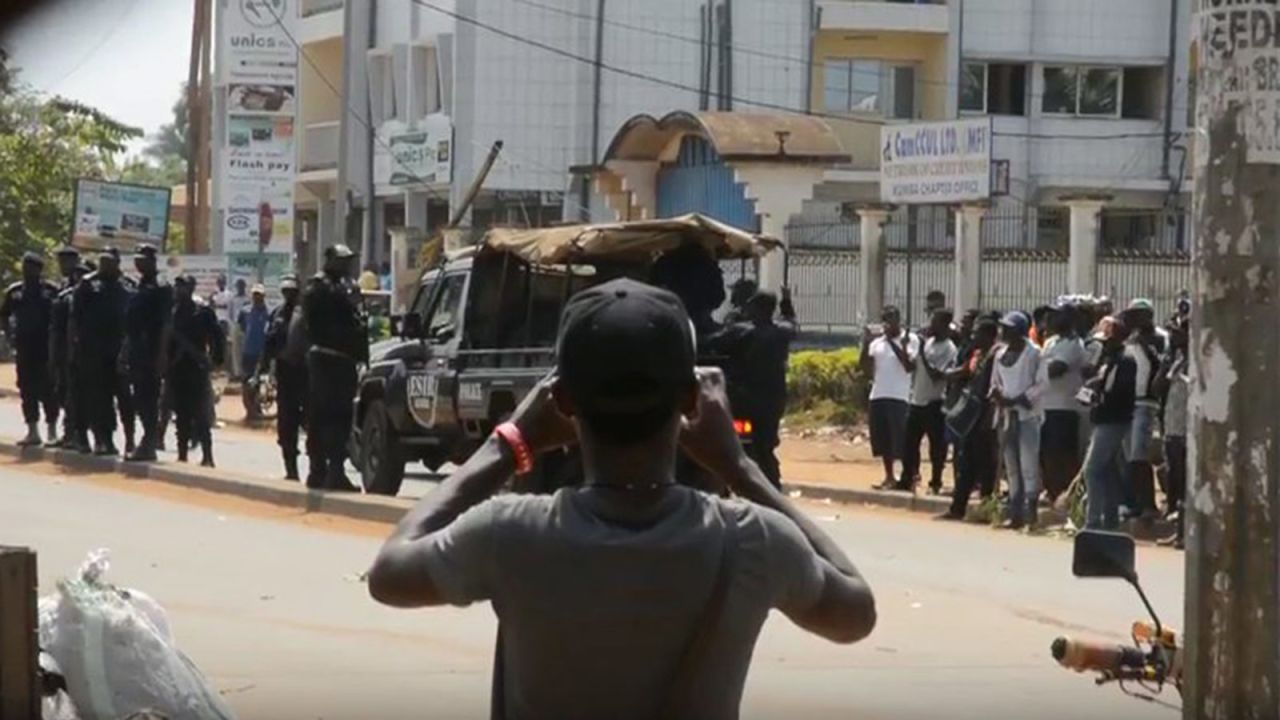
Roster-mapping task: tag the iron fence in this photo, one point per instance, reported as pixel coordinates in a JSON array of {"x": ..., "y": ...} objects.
[{"x": 825, "y": 286}]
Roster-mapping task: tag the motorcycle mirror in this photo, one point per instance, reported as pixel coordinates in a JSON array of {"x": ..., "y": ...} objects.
[{"x": 1104, "y": 555}]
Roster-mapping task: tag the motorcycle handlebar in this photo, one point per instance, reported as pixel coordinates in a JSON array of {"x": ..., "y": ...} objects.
[{"x": 1085, "y": 657}]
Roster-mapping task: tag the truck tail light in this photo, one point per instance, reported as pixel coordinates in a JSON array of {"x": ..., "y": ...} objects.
[{"x": 742, "y": 427}]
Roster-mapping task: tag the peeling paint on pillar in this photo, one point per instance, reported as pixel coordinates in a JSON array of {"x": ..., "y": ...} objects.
[{"x": 1233, "y": 559}]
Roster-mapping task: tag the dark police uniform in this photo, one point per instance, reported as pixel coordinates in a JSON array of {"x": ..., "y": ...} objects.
[
  {"x": 757, "y": 378},
  {"x": 98, "y": 313},
  {"x": 337, "y": 343},
  {"x": 27, "y": 313},
  {"x": 196, "y": 346},
  {"x": 149, "y": 311},
  {"x": 60, "y": 351},
  {"x": 291, "y": 383}
]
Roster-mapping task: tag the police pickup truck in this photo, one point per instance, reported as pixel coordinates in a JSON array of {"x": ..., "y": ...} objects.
[{"x": 480, "y": 333}]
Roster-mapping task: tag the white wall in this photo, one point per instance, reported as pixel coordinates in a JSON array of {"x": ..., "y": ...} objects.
[
  {"x": 1118, "y": 30},
  {"x": 1039, "y": 32},
  {"x": 540, "y": 104}
]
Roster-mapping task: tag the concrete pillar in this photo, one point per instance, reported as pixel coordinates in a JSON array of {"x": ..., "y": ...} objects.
[
  {"x": 778, "y": 191},
  {"x": 969, "y": 257},
  {"x": 326, "y": 231},
  {"x": 1086, "y": 230},
  {"x": 874, "y": 257}
]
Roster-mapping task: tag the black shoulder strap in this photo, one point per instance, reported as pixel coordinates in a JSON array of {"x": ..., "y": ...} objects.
[{"x": 686, "y": 672}]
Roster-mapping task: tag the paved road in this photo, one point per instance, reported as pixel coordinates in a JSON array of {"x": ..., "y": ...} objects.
[{"x": 271, "y": 609}]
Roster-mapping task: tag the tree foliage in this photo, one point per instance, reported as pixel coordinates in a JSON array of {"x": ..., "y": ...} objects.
[
  {"x": 165, "y": 156},
  {"x": 45, "y": 144}
]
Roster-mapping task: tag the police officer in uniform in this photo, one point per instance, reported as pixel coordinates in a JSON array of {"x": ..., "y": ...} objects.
[
  {"x": 337, "y": 340},
  {"x": 196, "y": 347},
  {"x": 148, "y": 317},
  {"x": 60, "y": 345},
  {"x": 758, "y": 347},
  {"x": 291, "y": 375},
  {"x": 26, "y": 313},
  {"x": 98, "y": 313}
]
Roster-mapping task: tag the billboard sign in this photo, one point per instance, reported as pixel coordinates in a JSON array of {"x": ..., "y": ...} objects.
[
  {"x": 256, "y": 47},
  {"x": 119, "y": 215},
  {"x": 259, "y": 67},
  {"x": 257, "y": 216},
  {"x": 274, "y": 266},
  {"x": 204, "y": 268},
  {"x": 418, "y": 155},
  {"x": 943, "y": 162}
]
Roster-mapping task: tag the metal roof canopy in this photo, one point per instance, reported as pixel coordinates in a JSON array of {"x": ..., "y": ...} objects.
[{"x": 740, "y": 137}]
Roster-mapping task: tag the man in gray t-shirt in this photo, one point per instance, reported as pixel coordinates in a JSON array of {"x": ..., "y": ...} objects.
[{"x": 613, "y": 597}]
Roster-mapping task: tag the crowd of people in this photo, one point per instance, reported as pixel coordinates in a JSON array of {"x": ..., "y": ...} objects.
[
  {"x": 1073, "y": 393},
  {"x": 101, "y": 351}
]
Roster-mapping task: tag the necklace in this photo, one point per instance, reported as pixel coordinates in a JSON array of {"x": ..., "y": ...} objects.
[{"x": 632, "y": 487}]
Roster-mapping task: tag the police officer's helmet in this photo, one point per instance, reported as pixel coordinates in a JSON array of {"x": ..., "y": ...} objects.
[{"x": 339, "y": 251}]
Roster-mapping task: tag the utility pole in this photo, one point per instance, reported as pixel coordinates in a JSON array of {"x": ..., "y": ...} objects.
[
  {"x": 193, "y": 121},
  {"x": 1232, "y": 511},
  {"x": 199, "y": 89},
  {"x": 203, "y": 212}
]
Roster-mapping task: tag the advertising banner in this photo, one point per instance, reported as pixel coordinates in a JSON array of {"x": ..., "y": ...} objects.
[
  {"x": 258, "y": 215},
  {"x": 204, "y": 268},
  {"x": 421, "y": 154},
  {"x": 259, "y": 68},
  {"x": 119, "y": 215},
  {"x": 1241, "y": 41},
  {"x": 257, "y": 45},
  {"x": 944, "y": 162},
  {"x": 245, "y": 267}
]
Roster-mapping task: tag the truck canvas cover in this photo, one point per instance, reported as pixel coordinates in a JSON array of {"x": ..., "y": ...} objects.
[{"x": 638, "y": 240}]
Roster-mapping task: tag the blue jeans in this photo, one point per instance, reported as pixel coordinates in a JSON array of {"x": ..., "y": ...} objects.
[
  {"x": 1020, "y": 443},
  {"x": 1103, "y": 476}
]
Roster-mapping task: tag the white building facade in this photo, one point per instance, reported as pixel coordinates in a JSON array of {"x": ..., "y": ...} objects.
[{"x": 1088, "y": 98}]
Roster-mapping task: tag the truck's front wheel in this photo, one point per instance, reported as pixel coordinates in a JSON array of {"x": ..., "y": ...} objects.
[{"x": 381, "y": 462}]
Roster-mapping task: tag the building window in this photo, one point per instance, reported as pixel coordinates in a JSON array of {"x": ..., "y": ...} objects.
[
  {"x": 994, "y": 88},
  {"x": 1082, "y": 90},
  {"x": 869, "y": 87},
  {"x": 973, "y": 87},
  {"x": 1143, "y": 93}
]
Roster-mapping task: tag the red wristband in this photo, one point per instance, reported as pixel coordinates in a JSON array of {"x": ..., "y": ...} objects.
[{"x": 514, "y": 439}]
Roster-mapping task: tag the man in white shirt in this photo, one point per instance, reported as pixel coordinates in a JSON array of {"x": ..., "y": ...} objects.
[
  {"x": 1017, "y": 388},
  {"x": 889, "y": 359},
  {"x": 1067, "y": 359},
  {"x": 925, "y": 417},
  {"x": 1145, "y": 347}
]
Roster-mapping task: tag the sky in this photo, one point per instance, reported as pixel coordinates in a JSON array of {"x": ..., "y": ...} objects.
[{"x": 128, "y": 58}]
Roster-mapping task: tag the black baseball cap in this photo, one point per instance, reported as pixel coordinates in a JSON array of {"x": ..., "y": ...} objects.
[{"x": 625, "y": 348}]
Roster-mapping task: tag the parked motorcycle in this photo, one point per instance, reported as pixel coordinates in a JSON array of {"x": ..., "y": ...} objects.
[{"x": 1155, "y": 658}]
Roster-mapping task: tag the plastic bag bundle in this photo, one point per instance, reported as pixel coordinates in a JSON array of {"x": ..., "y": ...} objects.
[{"x": 115, "y": 649}]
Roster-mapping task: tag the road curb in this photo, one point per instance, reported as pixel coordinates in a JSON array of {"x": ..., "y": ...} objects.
[
  {"x": 273, "y": 492},
  {"x": 374, "y": 508},
  {"x": 878, "y": 498}
]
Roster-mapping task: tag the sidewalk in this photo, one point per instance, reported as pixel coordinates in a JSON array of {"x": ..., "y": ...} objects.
[{"x": 823, "y": 467}]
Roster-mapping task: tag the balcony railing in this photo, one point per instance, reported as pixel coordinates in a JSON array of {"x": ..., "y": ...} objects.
[
  {"x": 315, "y": 7},
  {"x": 320, "y": 142},
  {"x": 922, "y": 16}
]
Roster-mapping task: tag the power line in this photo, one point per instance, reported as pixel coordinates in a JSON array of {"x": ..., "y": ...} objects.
[
  {"x": 92, "y": 51},
  {"x": 625, "y": 72}
]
